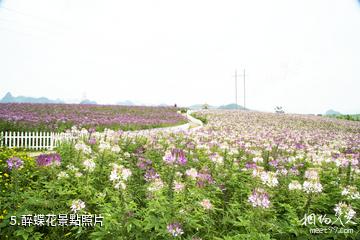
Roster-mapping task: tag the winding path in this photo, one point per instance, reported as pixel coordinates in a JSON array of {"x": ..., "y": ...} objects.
[{"x": 192, "y": 125}]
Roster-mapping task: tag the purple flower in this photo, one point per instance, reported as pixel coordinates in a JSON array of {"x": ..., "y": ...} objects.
[
  {"x": 14, "y": 162},
  {"x": 48, "y": 159},
  {"x": 175, "y": 229},
  {"x": 251, "y": 165},
  {"x": 259, "y": 198},
  {"x": 181, "y": 160},
  {"x": 151, "y": 175},
  {"x": 204, "y": 176},
  {"x": 92, "y": 141},
  {"x": 175, "y": 156},
  {"x": 169, "y": 158},
  {"x": 143, "y": 163},
  {"x": 92, "y": 130},
  {"x": 274, "y": 163}
]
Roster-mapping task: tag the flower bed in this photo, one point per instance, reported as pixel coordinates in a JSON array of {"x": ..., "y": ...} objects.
[
  {"x": 60, "y": 117},
  {"x": 244, "y": 175}
]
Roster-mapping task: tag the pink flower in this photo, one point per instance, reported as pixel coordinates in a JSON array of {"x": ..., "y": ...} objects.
[{"x": 206, "y": 204}]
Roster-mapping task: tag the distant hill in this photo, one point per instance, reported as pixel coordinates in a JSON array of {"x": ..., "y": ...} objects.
[
  {"x": 332, "y": 112},
  {"x": 9, "y": 98},
  {"x": 87, "y": 101},
  {"x": 231, "y": 106}
]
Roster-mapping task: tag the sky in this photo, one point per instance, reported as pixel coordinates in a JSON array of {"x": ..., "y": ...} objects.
[{"x": 301, "y": 55}]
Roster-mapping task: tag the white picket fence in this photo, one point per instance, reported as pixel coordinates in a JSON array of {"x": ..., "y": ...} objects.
[{"x": 33, "y": 140}]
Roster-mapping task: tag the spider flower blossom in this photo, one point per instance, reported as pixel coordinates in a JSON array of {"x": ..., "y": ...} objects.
[
  {"x": 178, "y": 186},
  {"x": 151, "y": 175},
  {"x": 351, "y": 192},
  {"x": 115, "y": 149},
  {"x": 312, "y": 184},
  {"x": 44, "y": 160},
  {"x": 269, "y": 179},
  {"x": 62, "y": 174},
  {"x": 204, "y": 177},
  {"x": 156, "y": 185},
  {"x": 312, "y": 174},
  {"x": 206, "y": 204},
  {"x": 92, "y": 141},
  {"x": 191, "y": 173},
  {"x": 175, "y": 229},
  {"x": 104, "y": 146},
  {"x": 312, "y": 187},
  {"x": 343, "y": 209},
  {"x": 14, "y": 163},
  {"x": 217, "y": 159},
  {"x": 175, "y": 156},
  {"x": 77, "y": 205},
  {"x": 81, "y": 146},
  {"x": 119, "y": 172},
  {"x": 89, "y": 165},
  {"x": 295, "y": 185},
  {"x": 118, "y": 175},
  {"x": 259, "y": 198}
]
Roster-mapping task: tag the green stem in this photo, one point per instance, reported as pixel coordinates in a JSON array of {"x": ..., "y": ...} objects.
[
  {"x": 348, "y": 174},
  {"x": 308, "y": 202}
]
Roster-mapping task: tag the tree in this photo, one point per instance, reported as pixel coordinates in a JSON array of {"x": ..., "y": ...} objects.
[{"x": 279, "y": 109}]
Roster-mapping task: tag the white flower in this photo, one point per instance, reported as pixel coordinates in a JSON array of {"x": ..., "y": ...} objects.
[
  {"x": 312, "y": 174},
  {"x": 89, "y": 165},
  {"x": 295, "y": 185},
  {"x": 156, "y": 185},
  {"x": 312, "y": 187},
  {"x": 342, "y": 209},
  {"x": 125, "y": 173},
  {"x": 118, "y": 175},
  {"x": 269, "y": 179},
  {"x": 192, "y": 173},
  {"x": 217, "y": 159},
  {"x": 104, "y": 145},
  {"x": 351, "y": 192},
  {"x": 114, "y": 176},
  {"x": 81, "y": 146},
  {"x": 178, "y": 186},
  {"x": 258, "y": 159},
  {"x": 120, "y": 184},
  {"x": 62, "y": 174},
  {"x": 77, "y": 205},
  {"x": 72, "y": 168},
  {"x": 257, "y": 172},
  {"x": 282, "y": 171},
  {"x": 78, "y": 174},
  {"x": 115, "y": 149},
  {"x": 127, "y": 155},
  {"x": 350, "y": 214},
  {"x": 206, "y": 204}
]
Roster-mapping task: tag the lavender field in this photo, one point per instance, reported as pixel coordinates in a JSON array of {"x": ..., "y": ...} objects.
[
  {"x": 60, "y": 117},
  {"x": 244, "y": 175}
]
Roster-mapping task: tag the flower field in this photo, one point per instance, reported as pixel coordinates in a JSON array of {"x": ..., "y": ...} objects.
[
  {"x": 60, "y": 117},
  {"x": 244, "y": 175}
]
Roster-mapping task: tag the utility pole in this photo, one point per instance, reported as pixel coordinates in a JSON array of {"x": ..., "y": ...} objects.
[
  {"x": 243, "y": 75},
  {"x": 236, "y": 87},
  {"x": 244, "y": 91}
]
